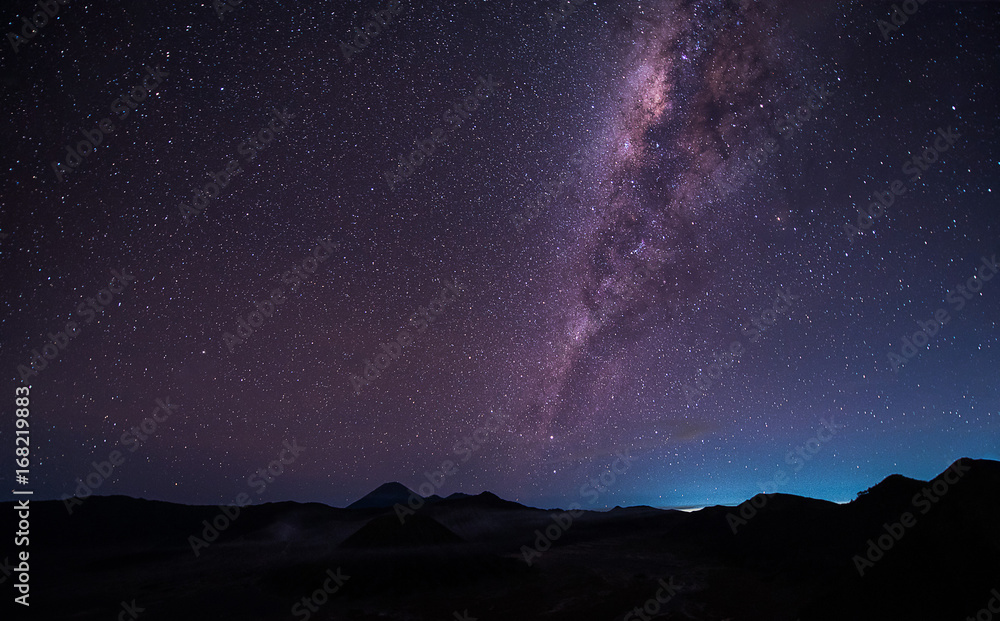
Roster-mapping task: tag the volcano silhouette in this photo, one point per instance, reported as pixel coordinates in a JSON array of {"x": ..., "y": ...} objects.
[{"x": 384, "y": 496}]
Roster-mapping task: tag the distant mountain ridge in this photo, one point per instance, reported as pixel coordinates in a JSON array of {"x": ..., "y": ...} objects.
[{"x": 388, "y": 495}]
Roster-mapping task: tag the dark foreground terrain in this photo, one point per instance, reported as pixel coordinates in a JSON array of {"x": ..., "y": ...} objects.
[{"x": 462, "y": 558}]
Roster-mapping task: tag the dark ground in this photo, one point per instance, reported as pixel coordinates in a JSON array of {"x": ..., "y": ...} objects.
[{"x": 791, "y": 561}]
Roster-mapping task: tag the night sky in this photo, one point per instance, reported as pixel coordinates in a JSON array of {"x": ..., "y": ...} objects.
[{"x": 617, "y": 236}]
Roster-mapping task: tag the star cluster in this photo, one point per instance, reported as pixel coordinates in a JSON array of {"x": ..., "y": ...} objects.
[{"x": 293, "y": 189}]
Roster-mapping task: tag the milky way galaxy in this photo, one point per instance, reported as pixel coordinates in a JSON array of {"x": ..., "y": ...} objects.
[{"x": 684, "y": 105}]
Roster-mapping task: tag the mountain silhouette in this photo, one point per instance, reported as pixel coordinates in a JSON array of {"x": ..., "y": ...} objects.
[
  {"x": 903, "y": 549},
  {"x": 384, "y": 496}
]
